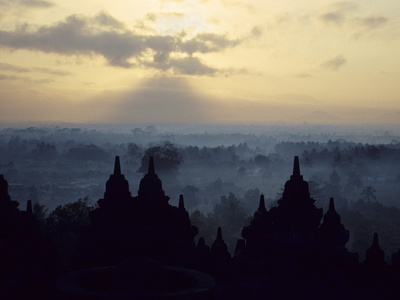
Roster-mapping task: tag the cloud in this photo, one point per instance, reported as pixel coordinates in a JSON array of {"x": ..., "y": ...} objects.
[
  {"x": 192, "y": 66},
  {"x": 303, "y": 75},
  {"x": 334, "y": 63},
  {"x": 52, "y": 71},
  {"x": 17, "y": 69},
  {"x": 355, "y": 20},
  {"x": 106, "y": 20},
  {"x": 153, "y": 17},
  {"x": 207, "y": 42},
  {"x": 105, "y": 36},
  {"x": 25, "y": 79},
  {"x": 256, "y": 31},
  {"x": 338, "y": 12},
  {"x": 35, "y": 3},
  {"x": 8, "y": 77},
  {"x": 372, "y": 22},
  {"x": 27, "y": 3},
  {"x": 12, "y": 68},
  {"x": 333, "y": 17}
]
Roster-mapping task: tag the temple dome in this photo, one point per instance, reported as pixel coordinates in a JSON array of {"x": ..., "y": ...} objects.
[
  {"x": 117, "y": 187},
  {"x": 150, "y": 185}
]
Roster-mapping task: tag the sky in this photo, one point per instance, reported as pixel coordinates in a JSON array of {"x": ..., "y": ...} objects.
[{"x": 205, "y": 61}]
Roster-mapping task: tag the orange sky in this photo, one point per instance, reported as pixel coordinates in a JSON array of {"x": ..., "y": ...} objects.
[{"x": 200, "y": 61}]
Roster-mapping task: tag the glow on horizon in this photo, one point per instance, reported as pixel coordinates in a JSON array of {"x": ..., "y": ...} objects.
[{"x": 200, "y": 61}]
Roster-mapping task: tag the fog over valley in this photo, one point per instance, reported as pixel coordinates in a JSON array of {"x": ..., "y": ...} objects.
[{"x": 215, "y": 168}]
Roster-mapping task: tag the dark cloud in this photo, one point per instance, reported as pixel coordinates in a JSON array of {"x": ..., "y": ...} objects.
[
  {"x": 207, "y": 42},
  {"x": 27, "y": 3},
  {"x": 336, "y": 17},
  {"x": 52, "y": 72},
  {"x": 189, "y": 65},
  {"x": 335, "y": 63},
  {"x": 365, "y": 26},
  {"x": 192, "y": 66},
  {"x": 256, "y": 31},
  {"x": 17, "y": 69},
  {"x": 372, "y": 22},
  {"x": 338, "y": 12},
  {"x": 35, "y": 3},
  {"x": 106, "y": 20},
  {"x": 8, "y": 77},
  {"x": 12, "y": 68},
  {"x": 104, "y": 35},
  {"x": 342, "y": 13}
]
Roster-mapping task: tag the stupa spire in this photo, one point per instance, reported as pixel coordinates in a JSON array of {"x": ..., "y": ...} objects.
[
  {"x": 117, "y": 166},
  {"x": 151, "y": 170},
  {"x": 375, "y": 256},
  {"x": 375, "y": 242},
  {"x": 261, "y": 206},
  {"x": 219, "y": 250},
  {"x": 4, "y": 189},
  {"x": 29, "y": 207},
  {"x": 181, "y": 203},
  {"x": 151, "y": 185},
  {"x": 296, "y": 169},
  {"x": 331, "y": 205},
  {"x": 117, "y": 187},
  {"x": 219, "y": 235}
]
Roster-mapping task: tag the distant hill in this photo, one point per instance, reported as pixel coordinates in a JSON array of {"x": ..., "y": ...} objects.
[
  {"x": 320, "y": 116},
  {"x": 393, "y": 117}
]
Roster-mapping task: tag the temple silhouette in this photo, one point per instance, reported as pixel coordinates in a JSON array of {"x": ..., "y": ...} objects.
[
  {"x": 141, "y": 246},
  {"x": 124, "y": 226},
  {"x": 28, "y": 261}
]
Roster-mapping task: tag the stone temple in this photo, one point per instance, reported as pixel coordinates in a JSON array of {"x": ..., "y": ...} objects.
[
  {"x": 290, "y": 238},
  {"x": 142, "y": 243},
  {"x": 125, "y": 226}
]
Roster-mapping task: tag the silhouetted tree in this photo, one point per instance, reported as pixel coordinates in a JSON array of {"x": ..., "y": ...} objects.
[
  {"x": 306, "y": 159},
  {"x": 134, "y": 151},
  {"x": 261, "y": 160},
  {"x": 167, "y": 158},
  {"x": 64, "y": 223},
  {"x": 334, "y": 178},
  {"x": 337, "y": 157},
  {"x": 44, "y": 151},
  {"x": 40, "y": 212},
  {"x": 206, "y": 225},
  {"x": 353, "y": 182},
  {"x": 372, "y": 152},
  {"x": 230, "y": 215},
  {"x": 241, "y": 171},
  {"x": 368, "y": 193},
  {"x": 33, "y": 194}
]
